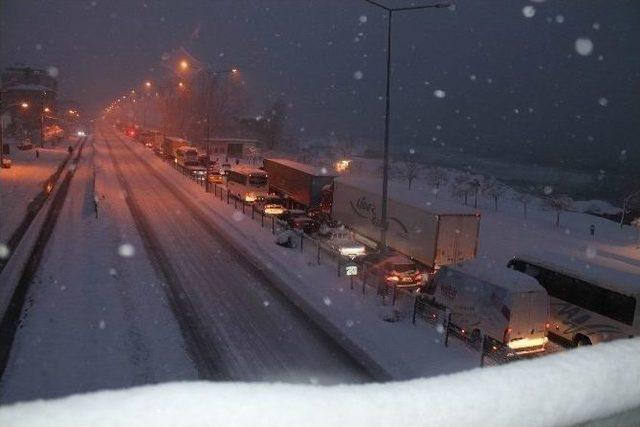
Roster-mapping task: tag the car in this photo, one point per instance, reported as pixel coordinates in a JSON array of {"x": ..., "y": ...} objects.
[
  {"x": 343, "y": 242},
  {"x": 216, "y": 178},
  {"x": 303, "y": 223},
  {"x": 224, "y": 168},
  {"x": 292, "y": 213},
  {"x": 274, "y": 209},
  {"x": 393, "y": 270}
]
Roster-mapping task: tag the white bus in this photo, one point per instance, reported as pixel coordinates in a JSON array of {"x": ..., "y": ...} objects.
[
  {"x": 247, "y": 183},
  {"x": 590, "y": 303},
  {"x": 508, "y": 307},
  {"x": 185, "y": 154}
]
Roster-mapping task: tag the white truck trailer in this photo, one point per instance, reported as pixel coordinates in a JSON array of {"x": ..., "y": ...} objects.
[{"x": 428, "y": 230}]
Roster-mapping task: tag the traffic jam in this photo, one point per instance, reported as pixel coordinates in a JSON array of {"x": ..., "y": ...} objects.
[{"x": 430, "y": 250}]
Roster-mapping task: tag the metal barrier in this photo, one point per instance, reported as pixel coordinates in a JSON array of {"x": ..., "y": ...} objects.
[{"x": 424, "y": 308}]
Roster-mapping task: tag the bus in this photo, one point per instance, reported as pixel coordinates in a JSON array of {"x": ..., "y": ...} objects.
[
  {"x": 508, "y": 307},
  {"x": 247, "y": 183},
  {"x": 186, "y": 154},
  {"x": 589, "y": 303}
]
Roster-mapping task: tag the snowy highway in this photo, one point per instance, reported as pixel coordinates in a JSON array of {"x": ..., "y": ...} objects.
[
  {"x": 146, "y": 291},
  {"x": 243, "y": 328}
]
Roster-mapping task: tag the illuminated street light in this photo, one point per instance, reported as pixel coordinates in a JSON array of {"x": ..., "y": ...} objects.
[
  {"x": 181, "y": 85},
  {"x": 24, "y": 105},
  {"x": 184, "y": 65},
  {"x": 147, "y": 84},
  {"x": 133, "y": 92},
  {"x": 47, "y": 109},
  {"x": 234, "y": 70}
]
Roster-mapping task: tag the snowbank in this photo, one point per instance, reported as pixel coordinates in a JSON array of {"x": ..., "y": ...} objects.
[{"x": 563, "y": 389}]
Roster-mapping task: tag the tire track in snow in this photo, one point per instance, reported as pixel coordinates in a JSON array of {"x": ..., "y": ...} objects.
[{"x": 203, "y": 355}]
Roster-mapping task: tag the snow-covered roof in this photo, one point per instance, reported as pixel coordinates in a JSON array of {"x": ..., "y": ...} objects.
[
  {"x": 420, "y": 199},
  {"x": 247, "y": 169},
  {"x": 497, "y": 274},
  {"x": 609, "y": 273},
  {"x": 30, "y": 87},
  {"x": 311, "y": 170}
]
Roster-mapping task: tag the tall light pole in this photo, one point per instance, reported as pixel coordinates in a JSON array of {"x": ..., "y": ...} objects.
[{"x": 387, "y": 112}]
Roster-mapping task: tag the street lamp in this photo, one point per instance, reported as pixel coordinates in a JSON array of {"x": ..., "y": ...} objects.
[
  {"x": 184, "y": 65},
  {"x": 147, "y": 84},
  {"x": 385, "y": 166}
]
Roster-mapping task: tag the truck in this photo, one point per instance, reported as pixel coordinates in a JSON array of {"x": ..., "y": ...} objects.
[
  {"x": 299, "y": 182},
  {"x": 171, "y": 144},
  {"x": 430, "y": 231},
  {"x": 508, "y": 307}
]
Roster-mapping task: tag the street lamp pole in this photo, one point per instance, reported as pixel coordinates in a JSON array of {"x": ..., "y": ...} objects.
[{"x": 387, "y": 113}]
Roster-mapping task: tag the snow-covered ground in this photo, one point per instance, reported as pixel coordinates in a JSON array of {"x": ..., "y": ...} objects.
[
  {"x": 96, "y": 316},
  {"x": 562, "y": 390},
  {"x": 396, "y": 350},
  {"x": 506, "y": 232},
  {"x": 24, "y": 180}
]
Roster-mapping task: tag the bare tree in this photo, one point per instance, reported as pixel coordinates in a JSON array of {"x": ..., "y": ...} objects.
[
  {"x": 408, "y": 169},
  {"x": 475, "y": 184},
  {"x": 494, "y": 189},
  {"x": 462, "y": 187},
  {"x": 559, "y": 203},
  {"x": 525, "y": 199},
  {"x": 436, "y": 177}
]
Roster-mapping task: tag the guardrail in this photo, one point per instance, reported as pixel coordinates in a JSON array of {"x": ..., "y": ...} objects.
[{"x": 418, "y": 306}]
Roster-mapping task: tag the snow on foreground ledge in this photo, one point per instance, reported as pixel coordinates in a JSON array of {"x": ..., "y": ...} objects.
[{"x": 561, "y": 389}]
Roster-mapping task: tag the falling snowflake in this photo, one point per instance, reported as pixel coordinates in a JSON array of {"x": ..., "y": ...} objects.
[
  {"x": 53, "y": 72},
  {"x": 473, "y": 77},
  {"x": 102, "y": 324},
  {"x": 591, "y": 251},
  {"x": 548, "y": 189},
  {"x": 584, "y": 46},
  {"x": 529, "y": 11},
  {"x": 126, "y": 250},
  {"x": 349, "y": 323},
  {"x": 113, "y": 272},
  {"x": 440, "y": 329},
  {"x": 327, "y": 301},
  {"x": 237, "y": 216},
  {"x": 559, "y": 19},
  {"x": 358, "y": 75},
  {"x": 596, "y": 26},
  {"x": 603, "y": 102},
  {"x": 439, "y": 93},
  {"x": 266, "y": 303},
  {"x": 4, "y": 251},
  {"x": 362, "y": 19}
]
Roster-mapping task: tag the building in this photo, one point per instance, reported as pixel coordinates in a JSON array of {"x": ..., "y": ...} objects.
[{"x": 38, "y": 90}]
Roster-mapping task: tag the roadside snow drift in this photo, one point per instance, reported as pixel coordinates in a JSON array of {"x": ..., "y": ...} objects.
[{"x": 563, "y": 389}]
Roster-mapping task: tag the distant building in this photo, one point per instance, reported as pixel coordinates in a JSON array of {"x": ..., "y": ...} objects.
[{"x": 27, "y": 85}]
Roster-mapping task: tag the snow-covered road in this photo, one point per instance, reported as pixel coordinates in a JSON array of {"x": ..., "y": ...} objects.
[
  {"x": 94, "y": 319},
  {"x": 250, "y": 331},
  {"x": 147, "y": 292}
]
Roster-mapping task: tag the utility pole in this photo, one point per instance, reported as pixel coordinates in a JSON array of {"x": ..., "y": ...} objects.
[{"x": 387, "y": 114}]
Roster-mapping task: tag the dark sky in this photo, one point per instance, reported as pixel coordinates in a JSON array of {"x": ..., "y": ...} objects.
[{"x": 513, "y": 84}]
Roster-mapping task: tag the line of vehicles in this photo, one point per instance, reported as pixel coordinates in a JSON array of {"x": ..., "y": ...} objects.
[{"x": 432, "y": 251}]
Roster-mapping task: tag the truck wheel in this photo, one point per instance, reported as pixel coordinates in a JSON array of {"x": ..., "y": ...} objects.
[{"x": 581, "y": 340}]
